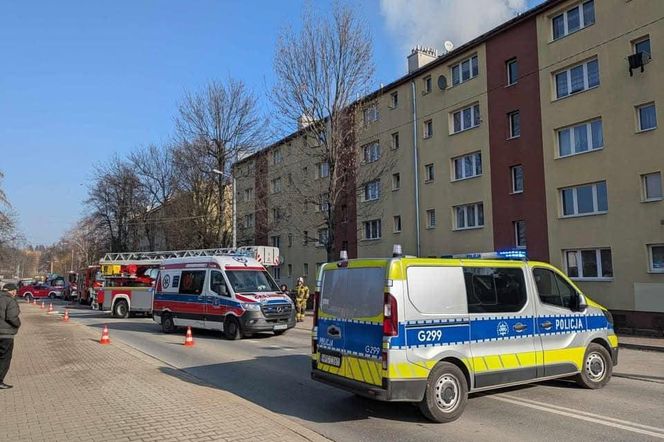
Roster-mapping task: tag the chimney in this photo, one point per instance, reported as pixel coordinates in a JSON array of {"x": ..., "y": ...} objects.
[
  {"x": 420, "y": 56},
  {"x": 304, "y": 121}
]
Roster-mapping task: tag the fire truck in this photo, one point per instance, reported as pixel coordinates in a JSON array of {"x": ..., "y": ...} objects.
[
  {"x": 89, "y": 281},
  {"x": 128, "y": 278}
]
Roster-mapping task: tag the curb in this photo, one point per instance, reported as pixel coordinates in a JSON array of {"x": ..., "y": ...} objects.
[{"x": 641, "y": 347}]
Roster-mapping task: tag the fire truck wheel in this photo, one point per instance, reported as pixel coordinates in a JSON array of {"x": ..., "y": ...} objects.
[
  {"x": 232, "y": 329},
  {"x": 121, "y": 309},
  {"x": 167, "y": 323}
]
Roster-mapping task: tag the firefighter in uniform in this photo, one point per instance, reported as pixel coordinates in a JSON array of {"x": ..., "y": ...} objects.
[{"x": 301, "y": 296}]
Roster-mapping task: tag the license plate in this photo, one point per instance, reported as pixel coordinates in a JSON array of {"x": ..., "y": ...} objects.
[
  {"x": 334, "y": 360},
  {"x": 281, "y": 327}
]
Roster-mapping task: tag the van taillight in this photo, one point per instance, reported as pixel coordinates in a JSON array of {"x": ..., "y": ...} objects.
[{"x": 390, "y": 316}]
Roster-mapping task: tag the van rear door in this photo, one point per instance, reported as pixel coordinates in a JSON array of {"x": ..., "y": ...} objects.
[{"x": 350, "y": 322}]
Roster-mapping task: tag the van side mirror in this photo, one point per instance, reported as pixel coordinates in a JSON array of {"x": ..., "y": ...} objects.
[{"x": 578, "y": 302}]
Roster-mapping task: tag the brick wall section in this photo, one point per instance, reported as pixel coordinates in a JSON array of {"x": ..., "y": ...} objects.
[{"x": 519, "y": 41}]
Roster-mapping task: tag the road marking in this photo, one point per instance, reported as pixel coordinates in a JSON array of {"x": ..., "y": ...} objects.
[{"x": 583, "y": 415}]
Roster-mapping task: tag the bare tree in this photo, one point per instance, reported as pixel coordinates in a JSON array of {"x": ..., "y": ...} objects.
[
  {"x": 321, "y": 71},
  {"x": 8, "y": 232},
  {"x": 220, "y": 124}
]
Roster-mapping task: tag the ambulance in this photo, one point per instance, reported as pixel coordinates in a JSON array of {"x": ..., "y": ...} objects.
[
  {"x": 231, "y": 292},
  {"x": 430, "y": 330}
]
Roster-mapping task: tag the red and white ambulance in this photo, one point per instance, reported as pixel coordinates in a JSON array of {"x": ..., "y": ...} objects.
[{"x": 231, "y": 292}]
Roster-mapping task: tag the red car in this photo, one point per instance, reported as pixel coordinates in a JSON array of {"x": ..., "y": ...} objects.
[{"x": 39, "y": 290}]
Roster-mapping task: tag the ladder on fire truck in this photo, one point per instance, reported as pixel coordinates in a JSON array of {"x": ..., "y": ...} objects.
[{"x": 268, "y": 256}]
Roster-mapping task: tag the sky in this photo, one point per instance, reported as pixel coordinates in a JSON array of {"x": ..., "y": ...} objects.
[{"x": 82, "y": 81}]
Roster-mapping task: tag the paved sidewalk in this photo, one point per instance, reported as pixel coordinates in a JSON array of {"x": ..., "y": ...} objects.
[
  {"x": 68, "y": 387},
  {"x": 641, "y": 343}
]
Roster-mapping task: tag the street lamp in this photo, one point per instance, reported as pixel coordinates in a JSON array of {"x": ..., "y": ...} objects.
[{"x": 219, "y": 172}]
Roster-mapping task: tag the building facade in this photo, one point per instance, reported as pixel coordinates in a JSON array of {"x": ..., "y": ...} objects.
[{"x": 540, "y": 134}]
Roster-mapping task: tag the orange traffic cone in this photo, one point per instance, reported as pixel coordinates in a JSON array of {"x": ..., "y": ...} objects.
[
  {"x": 50, "y": 308},
  {"x": 189, "y": 339},
  {"x": 105, "y": 339},
  {"x": 66, "y": 316},
  {"x": 42, "y": 305}
]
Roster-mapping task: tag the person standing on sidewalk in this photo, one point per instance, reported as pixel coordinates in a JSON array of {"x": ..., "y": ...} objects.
[
  {"x": 301, "y": 296},
  {"x": 9, "y": 324}
]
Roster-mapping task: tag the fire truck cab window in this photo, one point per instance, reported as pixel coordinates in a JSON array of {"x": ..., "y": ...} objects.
[
  {"x": 191, "y": 282},
  {"x": 217, "y": 284}
]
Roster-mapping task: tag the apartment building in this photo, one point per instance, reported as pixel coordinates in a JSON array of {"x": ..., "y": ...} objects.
[{"x": 540, "y": 134}]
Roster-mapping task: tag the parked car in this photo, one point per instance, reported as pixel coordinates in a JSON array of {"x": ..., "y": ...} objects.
[
  {"x": 8, "y": 286},
  {"x": 39, "y": 291}
]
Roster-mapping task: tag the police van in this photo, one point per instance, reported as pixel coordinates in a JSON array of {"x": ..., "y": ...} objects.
[
  {"x": 231, "y": 292},
  {"x": 429, "y": 330}
]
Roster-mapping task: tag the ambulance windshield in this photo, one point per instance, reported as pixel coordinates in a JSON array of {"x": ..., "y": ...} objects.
[{"x": 244, "y": 281}]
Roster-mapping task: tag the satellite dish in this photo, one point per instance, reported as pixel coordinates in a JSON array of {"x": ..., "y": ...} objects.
[
  {"x": 449, "y": 46},
  {"x": 442, "y": 83}
]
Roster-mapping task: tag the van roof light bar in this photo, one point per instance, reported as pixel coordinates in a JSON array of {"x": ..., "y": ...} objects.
[{"x": 507, "y": 254}]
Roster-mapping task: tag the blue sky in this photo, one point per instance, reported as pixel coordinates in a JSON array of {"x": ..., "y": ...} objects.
[{"x": 84, "y": 80}]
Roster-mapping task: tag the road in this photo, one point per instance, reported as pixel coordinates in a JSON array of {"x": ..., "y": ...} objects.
[{"x": 273, "y": 372}]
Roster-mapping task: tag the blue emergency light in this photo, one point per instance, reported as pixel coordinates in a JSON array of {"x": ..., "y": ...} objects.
[{"x": 513, "y": 254}]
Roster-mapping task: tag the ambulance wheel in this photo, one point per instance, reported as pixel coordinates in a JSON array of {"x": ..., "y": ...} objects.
[
  {"x": 597, "y": 367},
  {"x": 121, "y": 309},
  {"x": 446, "y": 393},
  {"x": 167, "y": 323},
  {"x": 232, "y": 330}
]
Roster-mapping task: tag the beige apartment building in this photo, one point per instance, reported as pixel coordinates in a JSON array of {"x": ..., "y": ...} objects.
[{"x": 534, "y": 135}]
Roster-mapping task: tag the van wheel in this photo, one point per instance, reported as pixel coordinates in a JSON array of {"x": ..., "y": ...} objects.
[
  {"x": 121, "y": 309},
  {"x": 167, "y": 323},
  {"x": 597, "y": 367},
  {"x": 446, "y": 393},
  {"x": 232, "y": 329}
]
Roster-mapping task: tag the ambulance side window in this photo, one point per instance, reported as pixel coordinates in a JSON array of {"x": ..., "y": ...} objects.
[
  {"x": 494, "y": 289},
  {"x": 552, "y": 288},
  {"x": 191, "y": 282},
  {"x": 218, "y": 284}
]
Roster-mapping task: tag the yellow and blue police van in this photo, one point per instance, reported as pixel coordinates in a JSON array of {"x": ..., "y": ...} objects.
[{"x": 432, "y": 330}]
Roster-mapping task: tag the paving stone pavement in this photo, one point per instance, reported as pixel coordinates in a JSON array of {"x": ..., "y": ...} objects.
[{"x": 68, "y": 387}]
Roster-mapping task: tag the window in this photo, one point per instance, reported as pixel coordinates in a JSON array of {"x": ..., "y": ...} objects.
[
  {"x": 466, "y": 118},
  {"x": 305, "y": 172},
  {"x": 372, "y": 190},
  {"x": 290, "y": 240},
  {"x": 277, "y": 157},
  {"x": 431, "y": 218},
  {"x": 520, "y": 234},
  {"x": 218, "y": 284},
  {"x": 647, "y": 117},
  {"x": 370, "y": 114},
  {"x": 395, "y": 140},
  {"x": 580, "y": 138},
  {"x": 514, "y": 119},
  {"x": 248, "y": 194},
  {"x": 249, "y": 221},
  {"x": 323, "y": 169},
  {"x": 394, "y": 99},
  {"x": 584, "y": 200},
  {"x": 397, "y": 223},
  {"x": 305, "y": 235},
  {"x": 344, "y": 213},
  {"x": 276, "y": 271},
  {"x": 469, "y": 216},
  {"x": 276, "y": 214},
  {"x": 290, "y": 270},
  {"x": 573, "y": 19},
  {"x": 305, "y": 269},
  {"x": 652, "y": 186},
  {"x": 371, "y": 152},
  {"x": 467, "y": 166},
  {"x": 191, "y": 282},
  {"x": 512, "y": 71},
  {"x": 396, "y": 181},
  {"x": 643, "y": 45},
  {"x": 323, "y": 237},
  {"x": 324, "y": 204},
  {"x": 428, "y": 129},
  {"x": 428, "y": 173},
  {"x": 517, "y": 178},
  {"x": 494, "y": 290},
  {"x": 275, "y": 185},
  {"x": 372, "y": 229},
  {"x": 656, "y": 258},
  {"x": 426, "y": 84},
  {"x": 577, "y": 79},
  {"x": 465, "y": 70},
  {"x": 275, "y": 241},
  {"x": 588, "y": 263},
  {"x": 552, "y": 288}
]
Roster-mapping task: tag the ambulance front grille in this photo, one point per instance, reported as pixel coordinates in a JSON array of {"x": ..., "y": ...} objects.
[{"x": 277, "y": 310}]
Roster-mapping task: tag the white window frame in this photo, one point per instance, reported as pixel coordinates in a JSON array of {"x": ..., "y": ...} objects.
[
  {"x": 249, "y": 221},
  {"x": 568, "y": 78},
  {"x": 638, "y": 117},
  {"x": 275, "y": 185},
  {"x": 371, "y": 224},
  {"x": 322, "y": 234},
  {"x": 513, "y": 61},
  {"x": 582, "y": 20},
  {"x": 371, "y": 152},
  {"x": 396, "y": 224},
  {"x": 394, "y": 100},
  {"x": 458, "y": 66},
  {"x": 323, "y": 169},
  {"x": 641, "y": 40},
  {"x": 575, "y": 201},
  {"x": 371, "y": 191},
  {"x": 513, "y": 171},
  {"x": 645, "y": 197},
  {"x": 510, "y": 123},
  {"x": 431, "y": 218},
  {"x": 572, "y": 138},
  {"x": 275, "y": 240},
  {"x": 248, "y": 194},
  {"x": 476, "y": 158},
  {"x": 396, "y": 183},
  {"x": 371, "y": 114},
  {"x": 324, "y": 202},
  {"x": 579, "y": 263},
  {"x": 651, "y": 267},
  {"x": 395, "y": 140},
  {"x": 427, "y": 85},
  {"x": 474, "y": 109},
  {"x": 427, "y": 131},
  {"x": 517, "y": 241},
  {"x": 429, "y": 173},
  {"x": 465, "y": 207},
  {"x": 277, "y": 157}
]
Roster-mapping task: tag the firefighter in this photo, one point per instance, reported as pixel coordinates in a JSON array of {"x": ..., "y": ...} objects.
[{"x": 301, "y": 296}]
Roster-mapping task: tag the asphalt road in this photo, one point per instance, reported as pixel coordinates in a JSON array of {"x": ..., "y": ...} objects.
[{"x": 273, "y": 372}]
